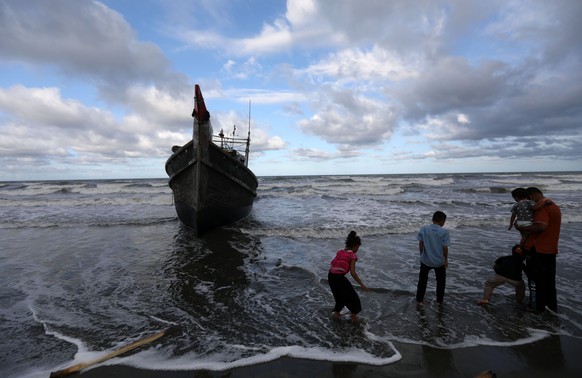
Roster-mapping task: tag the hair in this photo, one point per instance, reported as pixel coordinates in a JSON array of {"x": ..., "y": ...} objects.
[
  {"x": 532, "y": 189},
  {"x": 439, "y": 216},
  {"x": 353, "y": 240},
  {"x": 519, "y": 193}
]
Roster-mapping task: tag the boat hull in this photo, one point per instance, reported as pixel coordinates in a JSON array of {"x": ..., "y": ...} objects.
[{"x": 211, "y": 189}]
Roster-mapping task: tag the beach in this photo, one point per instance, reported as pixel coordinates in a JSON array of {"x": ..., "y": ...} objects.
[{"x": 90, "y": 266}]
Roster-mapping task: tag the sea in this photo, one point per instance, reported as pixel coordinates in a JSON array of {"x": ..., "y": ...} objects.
[{"x": 89, "y": 266}]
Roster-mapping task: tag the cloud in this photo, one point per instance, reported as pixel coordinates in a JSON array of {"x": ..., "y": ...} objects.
[
  {"x": 39, "y": 122},
  {"x": 94, "y": 46},
  {"x": 313, "y": 154},
  {"x": 357, "y": 65},
  {"x": 409, "y": 59},
  {"x": 84, "y": 39},
  {"x": 344, "y": 117},
  {"x": 261, "y": 142},
  {"x": 453, "y": 79}
]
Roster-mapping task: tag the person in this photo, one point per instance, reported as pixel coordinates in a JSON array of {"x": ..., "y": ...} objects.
[
  {"x": 541, "y": 246},
  {"x": 522, "y": 212},
  {"x": 508, "y": 269},
  {"x": 433, "y": 243},
  {"x": 342, "y": 290}
]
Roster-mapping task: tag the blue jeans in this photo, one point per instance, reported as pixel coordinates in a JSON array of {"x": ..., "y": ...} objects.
[{"x": 441, "y": 278}]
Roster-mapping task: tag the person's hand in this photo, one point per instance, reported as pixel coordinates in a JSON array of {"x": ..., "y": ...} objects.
[{"x": 446, "y": 262}]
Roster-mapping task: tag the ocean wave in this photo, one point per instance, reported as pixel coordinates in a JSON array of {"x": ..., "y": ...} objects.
[
  {"x": 64, "y": 191},
  {"x": 322, "y": 233},
  {"x": 139, "y": 185},
  {"x": 12, "y": 186},
  {"x": 73, "y": 223}
]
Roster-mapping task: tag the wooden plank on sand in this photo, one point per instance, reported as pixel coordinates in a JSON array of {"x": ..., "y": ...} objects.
[{"x": 115, "y": 353}]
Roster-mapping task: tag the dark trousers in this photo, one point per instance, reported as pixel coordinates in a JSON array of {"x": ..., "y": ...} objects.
[
  {"x": 441, "y": 279},
  {"x": 542, "y": 270},
  {"x": 344, "y": 293}
]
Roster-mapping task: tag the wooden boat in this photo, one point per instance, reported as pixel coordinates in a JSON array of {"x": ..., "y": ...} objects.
[{"x": 209, "y": 175}]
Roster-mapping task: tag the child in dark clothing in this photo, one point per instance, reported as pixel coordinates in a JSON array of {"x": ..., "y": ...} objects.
[{"x": 507, "y": 269}]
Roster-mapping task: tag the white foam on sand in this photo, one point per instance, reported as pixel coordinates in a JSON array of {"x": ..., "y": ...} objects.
[
  {"x": 154, "y": 360},
  {"x": 534, "y": 335},
  {"x": 470, "y": 341}
]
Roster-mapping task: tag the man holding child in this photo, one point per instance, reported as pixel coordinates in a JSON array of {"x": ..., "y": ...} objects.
[{"x": 541, "y": 247}]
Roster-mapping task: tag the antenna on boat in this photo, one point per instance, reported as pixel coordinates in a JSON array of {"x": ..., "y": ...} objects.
[{"x": 248, "y": 138}]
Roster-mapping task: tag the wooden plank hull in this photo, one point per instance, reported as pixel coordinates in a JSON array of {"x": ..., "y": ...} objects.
[
  {"x": 211, "y": 187},
  {"x": 210, "y": 194}
]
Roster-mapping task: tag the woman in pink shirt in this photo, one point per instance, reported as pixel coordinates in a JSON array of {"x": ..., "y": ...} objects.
[{"x": 343, "y": 291}]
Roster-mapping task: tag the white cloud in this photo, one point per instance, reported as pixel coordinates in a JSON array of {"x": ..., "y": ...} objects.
[
  {"x": 53, "y": 126},
  {"x": 356, "y": 65}
]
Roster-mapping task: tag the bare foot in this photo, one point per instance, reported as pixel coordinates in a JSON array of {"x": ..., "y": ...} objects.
[
  {"x": 482, "y": 302},
  {"x": 336, "y": 314},
  {"x": 354, "y": 318}
]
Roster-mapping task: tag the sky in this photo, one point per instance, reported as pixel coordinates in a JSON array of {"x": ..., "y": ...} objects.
[{"x": 104, "y": 89}]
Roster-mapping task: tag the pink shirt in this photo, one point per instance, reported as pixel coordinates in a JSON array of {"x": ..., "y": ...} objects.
[{"x": 342, "y": 261}]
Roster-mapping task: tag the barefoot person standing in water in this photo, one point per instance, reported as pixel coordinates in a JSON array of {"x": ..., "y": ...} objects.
[
  {"x": 433, "y": 244},
  {"x": 342, "y": 290}
]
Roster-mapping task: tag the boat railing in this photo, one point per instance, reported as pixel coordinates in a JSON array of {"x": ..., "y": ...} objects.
[{"x": 235, "y": 146}]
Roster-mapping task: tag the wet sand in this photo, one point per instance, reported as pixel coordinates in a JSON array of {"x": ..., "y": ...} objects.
[{"x": 550, "y": 357}]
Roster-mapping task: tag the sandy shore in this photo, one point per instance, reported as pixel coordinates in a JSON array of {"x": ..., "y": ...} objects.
[{"x": 555, "y": 356}]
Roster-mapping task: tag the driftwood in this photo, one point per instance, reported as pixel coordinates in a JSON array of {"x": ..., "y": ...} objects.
[{"x": 115, "y": 353}]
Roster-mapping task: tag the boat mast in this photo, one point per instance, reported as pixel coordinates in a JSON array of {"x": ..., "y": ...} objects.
[{"x": 248, "y": 138}]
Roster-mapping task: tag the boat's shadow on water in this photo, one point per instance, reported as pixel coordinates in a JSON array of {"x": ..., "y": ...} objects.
[
  {"x": 206, "y": 277},
  {"x": 206, "y": 269}
]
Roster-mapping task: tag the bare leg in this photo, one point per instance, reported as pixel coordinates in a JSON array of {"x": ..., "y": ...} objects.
[{"x": 488, "y": 287}]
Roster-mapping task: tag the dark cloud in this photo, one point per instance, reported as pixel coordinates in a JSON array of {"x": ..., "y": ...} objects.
[{"x": 452, "y": 83}]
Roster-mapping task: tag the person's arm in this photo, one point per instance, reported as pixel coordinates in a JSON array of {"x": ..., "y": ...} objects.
[
  {"x": 355, "y": 275},
  {"x": 446, "y": 255},
  {"x": 541, "y": 222},
  {"x": 536, "y": 227},
  {"x": 512, "y": 219},
  {"x": 421, "y": 246}
]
